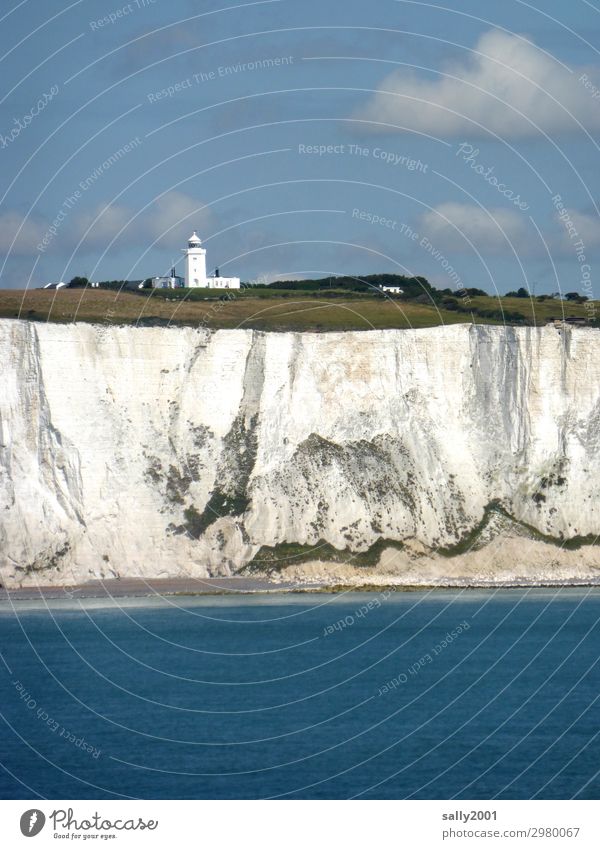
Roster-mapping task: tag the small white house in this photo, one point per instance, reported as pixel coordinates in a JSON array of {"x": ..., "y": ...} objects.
[
  {"x": 392, "y": 290},
  {"x": 170, "y": 282},
  {"x": 223, "y": 283},
  {"x": 60, "y": 285}
]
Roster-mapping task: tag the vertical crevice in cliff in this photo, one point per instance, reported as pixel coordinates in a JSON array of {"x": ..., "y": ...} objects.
[
  {"x": 175, "y": 404},
  {"x": 293, "y": 361},
  {"x": 230, "y": 496},
  {"x": 58, "y": 458}
]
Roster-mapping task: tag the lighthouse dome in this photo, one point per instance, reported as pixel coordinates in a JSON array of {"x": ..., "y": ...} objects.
[{"x": 194, "y": 241}]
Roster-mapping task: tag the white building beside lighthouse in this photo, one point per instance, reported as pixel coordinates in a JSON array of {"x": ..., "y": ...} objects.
[{"x": 195, "y": 269}]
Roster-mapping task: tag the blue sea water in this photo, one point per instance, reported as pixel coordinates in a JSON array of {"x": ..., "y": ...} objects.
[{"x": 303, "y": 696}]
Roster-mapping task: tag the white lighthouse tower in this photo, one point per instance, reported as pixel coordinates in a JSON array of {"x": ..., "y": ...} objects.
[
  {"x": 195, "y": 269},
  {"x": 195, "y": 263}
]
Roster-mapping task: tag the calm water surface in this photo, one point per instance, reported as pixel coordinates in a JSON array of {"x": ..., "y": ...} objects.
[{"x": 303, "y": 696}]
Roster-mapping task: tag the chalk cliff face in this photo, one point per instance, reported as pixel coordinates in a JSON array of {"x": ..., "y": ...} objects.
[{"x": 160, "y": 452}]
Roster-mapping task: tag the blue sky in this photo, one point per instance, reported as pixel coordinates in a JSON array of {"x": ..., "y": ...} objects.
[{"x": 302, "y": 139}]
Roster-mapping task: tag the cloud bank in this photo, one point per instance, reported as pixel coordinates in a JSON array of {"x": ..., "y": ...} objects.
[
  {"x": 463, "y": 227},
  {"x": 166, "y": 221},
  {"x": 452, "y": 226},
  {"x": 506, "y": 86}
]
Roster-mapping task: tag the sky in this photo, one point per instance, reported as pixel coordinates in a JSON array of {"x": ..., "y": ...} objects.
[{"x": 302, "y": 139}]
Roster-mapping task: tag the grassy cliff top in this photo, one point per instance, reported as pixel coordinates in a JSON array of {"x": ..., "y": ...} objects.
[{"x": 274, "y": 310}]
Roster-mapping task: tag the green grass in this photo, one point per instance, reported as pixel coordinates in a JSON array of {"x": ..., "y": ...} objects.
[
  {"x": 291, "y": 554},
  {"x": 254, "y": 293},
  {"x": 534, "y": 311},
  {"x": 263, "y": 309}
]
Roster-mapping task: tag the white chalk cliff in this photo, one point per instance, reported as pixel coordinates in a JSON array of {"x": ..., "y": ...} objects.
[{"x": 184, "y": 451}]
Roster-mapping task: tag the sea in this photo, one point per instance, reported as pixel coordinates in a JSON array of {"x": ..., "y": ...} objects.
[{"x": 434, "y": 694}]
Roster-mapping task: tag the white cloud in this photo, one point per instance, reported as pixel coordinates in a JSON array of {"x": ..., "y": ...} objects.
[
  {"x": 167, "y": 221},
  {"x": 16, "y": 239},
  {"x": 502, "y": 67},
  {"x": 171, "y": 214},
  {"x": 587, "y": 228},
  {"x": 450, "y": 225},
  {"x": 103, "y": 223}
]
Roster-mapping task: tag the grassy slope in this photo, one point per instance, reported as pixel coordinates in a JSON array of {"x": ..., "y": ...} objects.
[
  {"x": 248, "y": 309},
  {"x": 535, "y": 311}
]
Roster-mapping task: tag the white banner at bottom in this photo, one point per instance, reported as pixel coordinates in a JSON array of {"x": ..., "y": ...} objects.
[{"x": 301, "y": 824}]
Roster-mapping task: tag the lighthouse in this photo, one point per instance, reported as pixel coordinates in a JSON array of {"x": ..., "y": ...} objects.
[
  {"x": 195, "y": 263},
  {"x": 195, "y": 269}
]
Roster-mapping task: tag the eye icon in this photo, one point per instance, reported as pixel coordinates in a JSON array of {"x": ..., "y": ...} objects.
[{"x": 32, "y": 822}]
